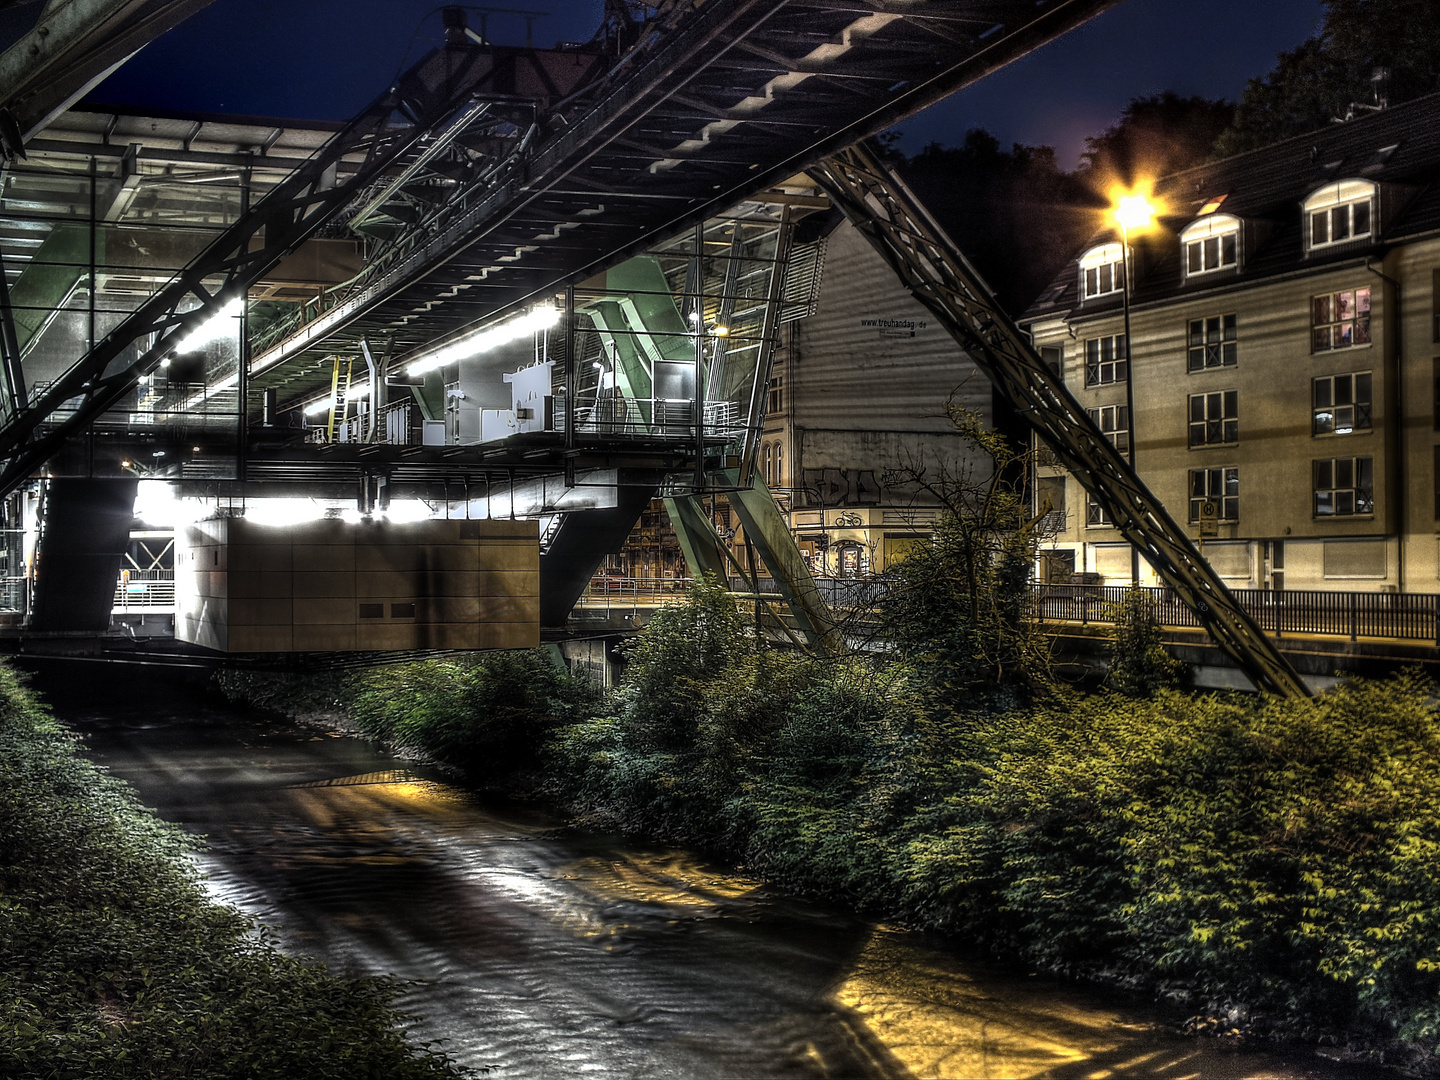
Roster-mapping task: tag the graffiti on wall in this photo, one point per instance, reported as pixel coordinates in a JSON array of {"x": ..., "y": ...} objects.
[{"x": 841, "y": 487}]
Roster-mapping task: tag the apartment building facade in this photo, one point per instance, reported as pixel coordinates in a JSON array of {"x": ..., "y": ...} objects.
[{"x": 1284, "y": 364}]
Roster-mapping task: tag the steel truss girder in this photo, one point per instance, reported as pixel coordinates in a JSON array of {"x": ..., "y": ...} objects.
[
  {"x": 692, "y": 50},
  {"x": 289, "y": 214},
  {"x": 938, "y": 275}
]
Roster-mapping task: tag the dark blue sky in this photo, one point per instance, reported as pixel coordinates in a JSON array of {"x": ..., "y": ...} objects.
[{"x": 324, "y": 59}]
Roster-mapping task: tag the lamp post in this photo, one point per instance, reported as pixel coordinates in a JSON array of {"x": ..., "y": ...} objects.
[{"x": 1132, "y": 211}]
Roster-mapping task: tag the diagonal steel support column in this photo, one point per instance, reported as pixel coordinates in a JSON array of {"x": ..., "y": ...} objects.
[
  {"x": 699, "y": 543},
  {"x": 938, "y": 275},
  {"x": 772, "y": 538}
]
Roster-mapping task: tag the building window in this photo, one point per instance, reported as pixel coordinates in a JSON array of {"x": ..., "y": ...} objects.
[
  {"x": 1220, "y": 486},
  {"x": 1214, "y": 418},
  {"x": 1436, "y": 477},
  {"x": 1114, "y": 423},
  {"x": 1344, "y": 486},
  {"x": 1105, "y": 361},
  {"x": 1339, "y": 212},
  {"x": 1211, "y": 243},
  {"x": 1054, "y": 357},
  {"x": 1095, "y": 515},
  {"x": 1340, "y": 320},
  {"x": 776, "y": 400},
  {"x": 1341, "y": 404},
  {"x": 1102, "y": 271},
  {"x": 1212, "y": 343},
  {"x": 1050, "y": 502}
]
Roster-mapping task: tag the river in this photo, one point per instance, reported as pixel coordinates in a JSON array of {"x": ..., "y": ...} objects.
[{"x": 537, "y": 953}]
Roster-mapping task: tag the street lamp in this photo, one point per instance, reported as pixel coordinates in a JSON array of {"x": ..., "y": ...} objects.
[{"x": 1133, "y": 211}]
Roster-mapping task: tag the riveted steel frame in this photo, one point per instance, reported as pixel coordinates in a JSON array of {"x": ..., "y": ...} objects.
[{"x": 938, "y": 275}]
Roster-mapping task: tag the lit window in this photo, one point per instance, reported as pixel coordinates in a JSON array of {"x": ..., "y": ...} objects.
[
  {"x": 1211, "y": 243},
  {"x": 1212, "y": 343},
  {"x": 1340, "y": 320},
  {"x": 1341, "y": 404},
  {"x": 1214, "y": 418},
  {"x": 1344, "y": 486},
  {"x": 1102, "y": 271},
  {"x": 1339, "y": 212},
  {"x": 1114, "y": 423},
  {"x": 1220, "y": 486},
  {"x": 1105, "y": 361}
]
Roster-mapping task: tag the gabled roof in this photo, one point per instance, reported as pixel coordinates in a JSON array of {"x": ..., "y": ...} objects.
[{"x": 1398, "y": 148}]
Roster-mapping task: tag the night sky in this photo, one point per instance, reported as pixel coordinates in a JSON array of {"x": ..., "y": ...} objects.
[{"x": 325, "y": 59}]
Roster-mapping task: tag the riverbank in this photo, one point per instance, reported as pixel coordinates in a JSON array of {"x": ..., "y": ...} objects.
[
  {"x": 115, "y": 963},
  {"x": 1270, "y": 864}
]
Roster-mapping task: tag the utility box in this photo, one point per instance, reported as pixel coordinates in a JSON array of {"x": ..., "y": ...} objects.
[{"x": 334, "y": 586}]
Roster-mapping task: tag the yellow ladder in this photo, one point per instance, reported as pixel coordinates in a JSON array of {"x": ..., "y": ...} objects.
[{"x": 339, "y": 393}]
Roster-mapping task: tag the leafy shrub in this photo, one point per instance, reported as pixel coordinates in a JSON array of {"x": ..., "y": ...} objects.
[
  {"x": 114, "y": 963},
  {"x": 312, "y": 693},
  {"x": 486, "y": 714},
  {"x": 1139, "y": 664}
]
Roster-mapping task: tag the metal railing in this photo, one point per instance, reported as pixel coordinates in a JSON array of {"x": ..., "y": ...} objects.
[
  {"x": 149, "y": 590},
  {"x": 1398, "y": 616}
]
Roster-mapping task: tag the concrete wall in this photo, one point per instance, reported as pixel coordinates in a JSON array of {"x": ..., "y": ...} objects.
[{"x": 330, "y": 586}]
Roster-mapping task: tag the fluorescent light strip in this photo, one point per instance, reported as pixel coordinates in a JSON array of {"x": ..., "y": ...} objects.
[
  {"x": 212, "y": 329},
  {"x": 357, "y": 393},
  {"x": 542, "y": 318}
]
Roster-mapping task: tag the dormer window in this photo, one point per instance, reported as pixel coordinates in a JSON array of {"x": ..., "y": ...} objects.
[
  {"x": 1339, "y": 213},
  {"x": 1102, "y": 271},
  {"x": 1211, "y": 243}
]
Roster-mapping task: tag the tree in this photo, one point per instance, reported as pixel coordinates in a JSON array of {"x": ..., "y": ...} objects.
[
  {"x": 1319, "y": 81},
  {"x": 960, "y": 610},
  {"x": 1156, "y": 136}
]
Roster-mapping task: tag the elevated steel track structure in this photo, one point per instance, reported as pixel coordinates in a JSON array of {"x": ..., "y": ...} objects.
[{"x": 477, "y": 199}]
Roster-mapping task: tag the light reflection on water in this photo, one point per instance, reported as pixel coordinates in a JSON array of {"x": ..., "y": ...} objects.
[{"x": 541, "y": 954}]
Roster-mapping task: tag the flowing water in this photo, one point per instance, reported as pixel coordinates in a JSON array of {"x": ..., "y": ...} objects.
[{"x": 539, "y": 953}]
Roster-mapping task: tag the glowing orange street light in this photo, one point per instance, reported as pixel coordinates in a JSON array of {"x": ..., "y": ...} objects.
[{"x": 1133, "y": 211}]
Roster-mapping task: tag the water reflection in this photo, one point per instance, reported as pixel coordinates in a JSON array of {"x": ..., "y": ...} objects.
[{"x": 541, "y": 954}]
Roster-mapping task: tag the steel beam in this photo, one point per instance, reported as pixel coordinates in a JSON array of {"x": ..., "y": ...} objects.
[
  {"x": 73, "y": 46},
  {"x": 939, "y": 276},
  {"x": 692, "y": 167},
  {"x": 699, "y": 543},
  {"x": 771, "y": 535}
]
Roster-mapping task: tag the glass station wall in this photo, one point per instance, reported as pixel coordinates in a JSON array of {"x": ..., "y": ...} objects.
[{"x": 83, "y": 249}]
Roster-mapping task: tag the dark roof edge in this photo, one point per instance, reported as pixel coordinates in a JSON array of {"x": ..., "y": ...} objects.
[{"x": 1276, "y": 147}]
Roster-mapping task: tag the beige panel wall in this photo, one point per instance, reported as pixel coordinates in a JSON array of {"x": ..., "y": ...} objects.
[{"x": 328, "y": 586}]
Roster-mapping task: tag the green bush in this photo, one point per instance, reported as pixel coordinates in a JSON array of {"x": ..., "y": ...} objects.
[
  {"x": 1140, "y": 666},
  {"x": 697, "y": 709},
  {"x": 487, "y": 714},
  {"x": 114, "y": 963}
]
